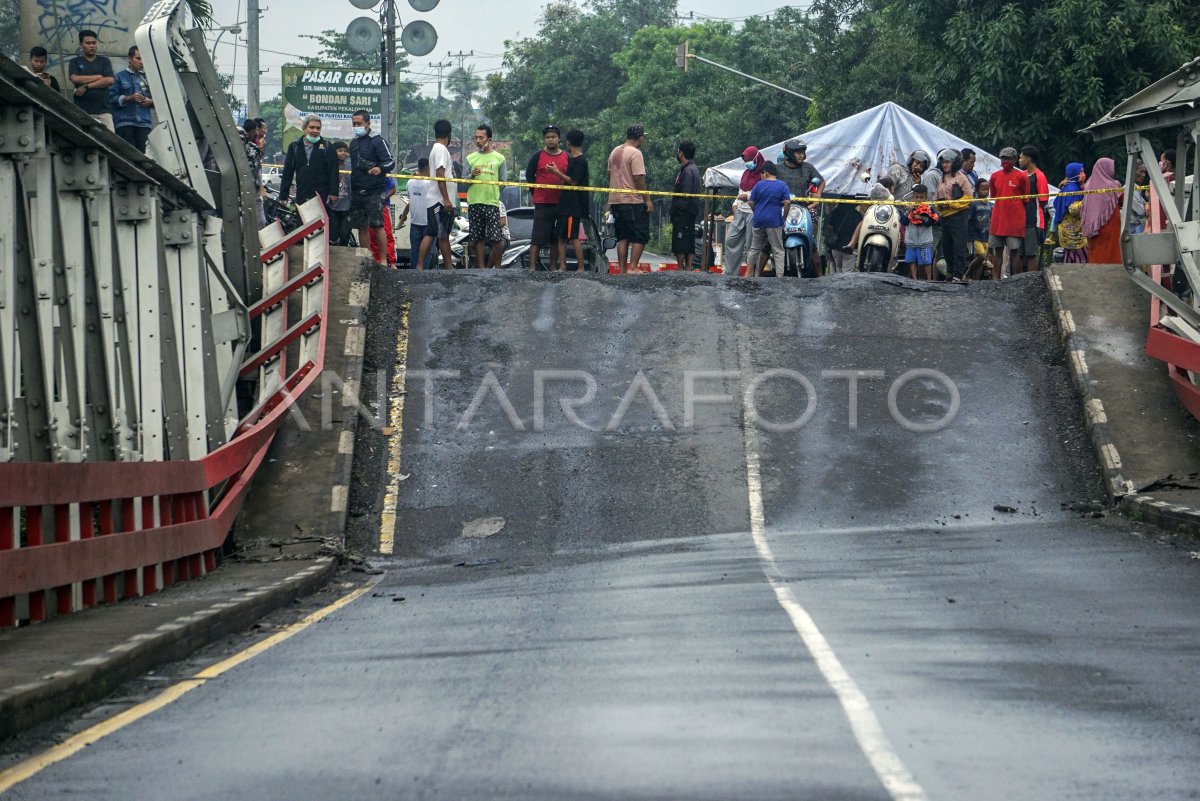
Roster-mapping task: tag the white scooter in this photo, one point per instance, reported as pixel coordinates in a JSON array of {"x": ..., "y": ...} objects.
[{"x": 879, "y": 235}]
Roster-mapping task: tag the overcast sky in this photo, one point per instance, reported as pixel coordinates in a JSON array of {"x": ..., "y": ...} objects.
[{"x": 480, "y": 27}]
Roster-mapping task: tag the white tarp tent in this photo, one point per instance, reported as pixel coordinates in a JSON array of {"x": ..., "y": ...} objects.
[{"x": 870, "y": 140}]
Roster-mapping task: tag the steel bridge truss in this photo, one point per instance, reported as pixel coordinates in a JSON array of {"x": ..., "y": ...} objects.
[{"x": 146, "y": 334}]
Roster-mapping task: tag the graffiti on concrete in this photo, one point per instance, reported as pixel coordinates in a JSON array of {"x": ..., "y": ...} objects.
[{"x": 57, "y": 23}]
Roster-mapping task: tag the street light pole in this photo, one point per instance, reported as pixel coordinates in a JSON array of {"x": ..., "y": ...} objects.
[
  {"x": 682, "y": 56},
  {"x": 235, "y": 29}
]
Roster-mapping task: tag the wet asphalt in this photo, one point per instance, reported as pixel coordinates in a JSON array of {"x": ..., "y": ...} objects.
[{"x": 581, "y": 612}]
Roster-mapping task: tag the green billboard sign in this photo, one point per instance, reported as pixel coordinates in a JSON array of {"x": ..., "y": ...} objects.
[{"x": 331, "y": 93}]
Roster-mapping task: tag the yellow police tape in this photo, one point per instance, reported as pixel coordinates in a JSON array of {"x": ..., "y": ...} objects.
[{"x": 960, "y": 203}]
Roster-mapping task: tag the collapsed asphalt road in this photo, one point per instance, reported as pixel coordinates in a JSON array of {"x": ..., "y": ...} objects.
[
  {"x": 630, "y": 601},
  {"x": 653, "y": 455}
]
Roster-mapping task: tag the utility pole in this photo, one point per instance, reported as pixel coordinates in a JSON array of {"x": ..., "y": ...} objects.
[
  {"x": 440, "y": 67},
  {"x": 388, "y": 66},
  {"x": 252, "y": 14},
  {"x": 462, "y": 134}
]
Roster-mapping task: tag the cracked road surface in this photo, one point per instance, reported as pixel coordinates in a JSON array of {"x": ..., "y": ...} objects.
[{"x": 711, "y": 575}]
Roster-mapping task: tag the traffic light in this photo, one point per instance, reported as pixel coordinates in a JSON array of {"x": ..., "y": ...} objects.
[{"x": 681, "y": 56}]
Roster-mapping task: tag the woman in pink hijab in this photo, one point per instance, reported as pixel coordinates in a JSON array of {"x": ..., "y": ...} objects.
[
  {"x": 738, "y": 227},
  {"x": 1101, "y": 222},
  {"x": 751, "y": 175}
]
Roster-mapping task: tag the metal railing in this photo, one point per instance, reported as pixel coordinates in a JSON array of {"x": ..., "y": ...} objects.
[
  {"x": 1165, "y": 258},
  {"x": 145, "y": 337}
]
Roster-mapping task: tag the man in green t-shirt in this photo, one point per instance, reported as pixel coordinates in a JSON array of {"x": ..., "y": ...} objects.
[{"x": 483, "y": 200}]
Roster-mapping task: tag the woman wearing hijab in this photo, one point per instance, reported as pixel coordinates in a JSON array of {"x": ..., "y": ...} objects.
[
  {"x": 737, "y": 229},
  {"x": 1072, "y": 183},
  {"x": 1101, "y": 222}
]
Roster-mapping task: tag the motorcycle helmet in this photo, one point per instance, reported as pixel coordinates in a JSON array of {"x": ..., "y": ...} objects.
[
  {"x": 953, "y": 156},
  {"x": 794, "y": 146},
  {"x": 919, "y": 156}
]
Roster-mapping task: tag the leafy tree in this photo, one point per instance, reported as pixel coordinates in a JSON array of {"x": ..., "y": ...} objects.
[
  {"x": 1035, "y": 73},
  {"x": 567, "y": 74},
  {"x": 464, "y": 85},
  {"x": 332, "y": 51},
  {"x": 867, "y": 52},
  {"x": 235, "y": 103},
  {"x": 272, "y": 111},
  {"x": 10, "y": 17}
]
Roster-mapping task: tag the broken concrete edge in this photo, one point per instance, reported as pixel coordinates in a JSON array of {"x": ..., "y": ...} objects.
[
  {"x": 27, "y": 705},
  {"x": 1121, "y": 491},
  {"x": 351, "y": 375}
]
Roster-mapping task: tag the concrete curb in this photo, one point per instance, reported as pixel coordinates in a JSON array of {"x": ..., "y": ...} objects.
[
  {"x": 1121, "y": 492},
  {"x": 1170, "y": 516},
  {"x": 351, "y": 376},
  {"x": 26, "y": 705}
]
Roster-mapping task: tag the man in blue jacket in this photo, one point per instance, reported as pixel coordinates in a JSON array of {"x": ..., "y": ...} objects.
[
  {"x": 131, "y": 102},
  {"x": 370, "y": 162}
]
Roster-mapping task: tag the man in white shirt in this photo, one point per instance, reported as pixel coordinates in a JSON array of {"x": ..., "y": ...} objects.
[
  {"x": 442, "y": 198},
  {"x": 418, "y": 205}
]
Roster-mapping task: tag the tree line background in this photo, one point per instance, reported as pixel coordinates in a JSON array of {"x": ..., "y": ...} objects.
[{"x": 994, "y": 73}]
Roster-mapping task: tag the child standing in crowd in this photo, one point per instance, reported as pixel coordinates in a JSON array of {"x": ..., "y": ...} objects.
[
  {"x": 978, "y": 225},
  {"x": 769, "y": 199},
  {"x": 418, "y": 191},
  {"x": 919, "y": 243},
  {"x": 339, "y": 211}
]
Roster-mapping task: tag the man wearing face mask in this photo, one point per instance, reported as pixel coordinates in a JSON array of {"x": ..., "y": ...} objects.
[
  {"x": 370, "y": 161},
  {"x": 312, "y": 162}
]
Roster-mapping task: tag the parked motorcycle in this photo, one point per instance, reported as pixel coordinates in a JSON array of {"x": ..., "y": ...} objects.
[
  {"x": 879, "y": 235},
  {"x": 458, "y": 242},
  {"x": 798, "y": 236},
  {"x": 281, "y": 209}
]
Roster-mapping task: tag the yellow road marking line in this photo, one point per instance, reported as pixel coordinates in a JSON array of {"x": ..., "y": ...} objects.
[
  {"x": 76, "y": 743},
  {"x": 387, "y": 519}
]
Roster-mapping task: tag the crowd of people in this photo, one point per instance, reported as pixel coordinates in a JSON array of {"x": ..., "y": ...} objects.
[
  {"x": 957, "y": 224},
  {"x": 120, "y": 101}
]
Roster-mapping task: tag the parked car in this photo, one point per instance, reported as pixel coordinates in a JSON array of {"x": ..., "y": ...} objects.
[
  {"x": 520, "y": 225},
  {"x": 271, "y": 177}
]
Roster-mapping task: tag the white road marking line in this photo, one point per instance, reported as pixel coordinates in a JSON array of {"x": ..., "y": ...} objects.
[
  {"x": 337, "y": 503},
  {"x": 1095, "y": 411},
  {"x": 387, "y": 519},
  {"x": 349, "y": 392},
  {"x": 868, "y": 731},
  {"x": 1067, "y": 321},
  {"x": 1055, "y": 283},
  {"x": 360, "y": 293},
  {"x": 355, "y": 339},
  {"x": 1112, "y": 459},
  {"x": 346, "y": 443},
  {"x": 1080, "y": 360}
]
